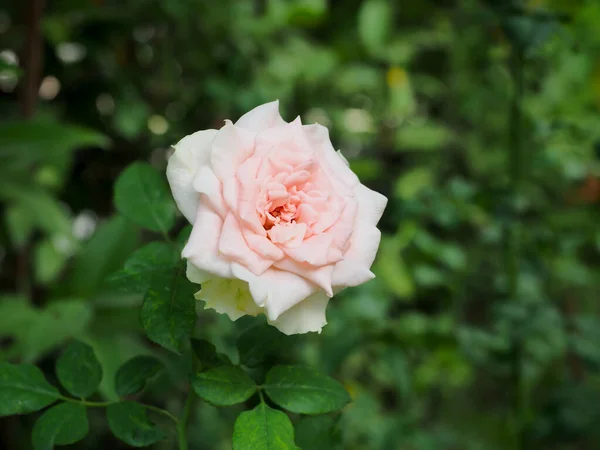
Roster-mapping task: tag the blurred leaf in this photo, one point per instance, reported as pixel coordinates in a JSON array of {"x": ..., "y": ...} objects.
[
  {"x": 316, "y": 433},
  {"x": 23, "y": 389},
  {"x": 128, "y": 422},
  {"x": 427, "y": 137},
  {"x": 413, "y": 182},
  {"x": 207, "y": 354},
  {"x": 47, "y": 212},
  {"x": 133, "y": 375},
  {"x": 49, "y": 261},
  {"x": 78, "y": 370},
  {"x": 19, "y": 224},
  {"x": 25, "y": 142},
  {"x": 303, "y": 390},
  {"x": 263, "y": 428},
  {"x": 392, "y": 269},
  {"x": 154, "y": 260},
  {"x": 141, "y": 195},
  {"x": 169, "y": 311},
  {"x": 63, "y": 424},
  {"x": 223, "y": 386},
  {"x": 103, "y": 254},
  {"x": 258, "y": 343},
  {"x": 37, "y": 331},
  {"x": 375, "y": 24}
]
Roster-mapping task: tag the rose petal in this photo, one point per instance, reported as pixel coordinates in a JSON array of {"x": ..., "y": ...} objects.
[
  {"x": 207, "y": 183},
  {"x": 262, "y": 117},
  {"x": 191, "y": 153},
  {"x": 231, "y": 147},
  {"x": 196, "y": 275},
  {"x": 228, "y": 296},
  {"x": 318, "y": 136},
  {"x": 202, "y": 247},
  {"x": 233, "y": 245},
  {"x": 275, "y": 290},
  {"x": 306, "y": 316}
]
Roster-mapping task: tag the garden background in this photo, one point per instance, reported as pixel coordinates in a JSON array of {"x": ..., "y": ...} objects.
[{"x": 479, "y": 120}]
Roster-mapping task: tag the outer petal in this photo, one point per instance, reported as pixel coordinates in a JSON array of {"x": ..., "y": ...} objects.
[
  {"x": 228, "y": 296},
  {"x": 354, "y": 268},
  {"x": 262, "y": 117},
  {"x": 191, "y": 153},
  {"x": 318, "y": 135},
  {"x": 306, "y": 316},
  {"x": 371, "y": 204},
  {"x": 275, "y": 289},
  {"x": 196, "y": 275},
  {"x": 202, "y": 247}
]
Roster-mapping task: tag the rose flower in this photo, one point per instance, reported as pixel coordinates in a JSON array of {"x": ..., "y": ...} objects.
[{"x": 280, "y": 222}]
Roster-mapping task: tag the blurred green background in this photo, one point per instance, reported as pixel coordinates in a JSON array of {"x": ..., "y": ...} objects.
[{"x": 478, "y": 119}]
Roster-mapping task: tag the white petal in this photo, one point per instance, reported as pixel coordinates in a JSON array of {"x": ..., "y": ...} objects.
[
  {"x": 196, "y": 275},
  {"x": 228, "y": 296},
  {"x": 306, "y": 316},
  {"x": 371, "y": 204},
  {"x": 191, "y": 153},
  {"x": 262, "y": 117},
  {"x": 202, "y": 247},
  {"x": 275, "y": 290}
]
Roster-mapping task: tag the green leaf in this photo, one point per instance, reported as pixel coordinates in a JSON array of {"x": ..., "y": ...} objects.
[
  {"x": 169, "y": 312},
  {"x": 142, "y": 195},
  {"x": 105, "y": 253},
  {"x": 207, "y": 354},
  {"x": 157, "y": 259},
  {"x": 224, "y": 385},
  {"x": 422, "y": 137},
  {"x": 375, "y": 24},
  {"x": 263, "y": 428},
  {"x": 258, "y": 343},
  {"x": 133, "y": 375},
  {"x": 78, "y": 370},
  {"x": 129, "y": 423},
  {"x": 23, "y": 389},
  {"x": 302, "y": 390},
  {"x": 63, "y": 424}
]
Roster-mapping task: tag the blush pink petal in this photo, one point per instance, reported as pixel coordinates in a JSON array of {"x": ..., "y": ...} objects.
[
  {"x": 318, "y": 136},
  {"x": 262, "y": 245},
  {"x": 262, "y": 117},
  {"x": 231, "y": 147},
  {"x": 191, "y": 153},
  {"x": 196, "y": 275},
  {"x": 233, "y": 245},
  {"x": 202, "y": 247},
  {"x": 321, "y": 276}
]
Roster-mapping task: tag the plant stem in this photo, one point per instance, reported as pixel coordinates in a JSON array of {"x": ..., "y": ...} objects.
[{"x": 185, "y": 419}]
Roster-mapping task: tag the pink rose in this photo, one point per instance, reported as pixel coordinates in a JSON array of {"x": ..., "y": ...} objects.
[{"x": 280, "y": 222}]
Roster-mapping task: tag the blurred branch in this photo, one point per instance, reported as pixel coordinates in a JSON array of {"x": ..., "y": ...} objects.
[{"x": 32, "y": 56}]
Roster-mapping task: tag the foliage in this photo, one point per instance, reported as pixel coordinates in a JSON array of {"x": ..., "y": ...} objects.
[{"x": 477, "y": 118}]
